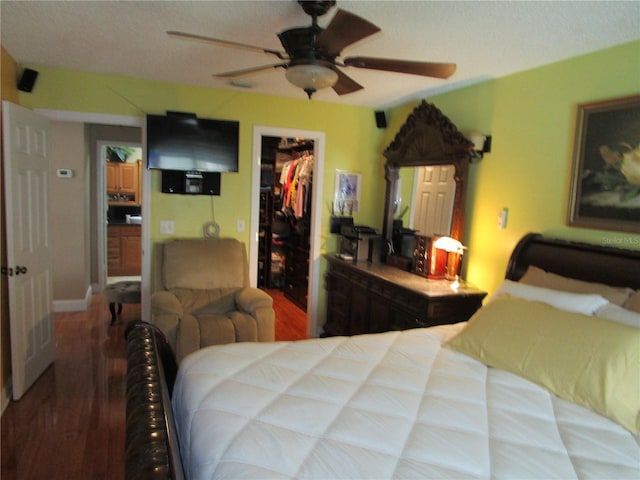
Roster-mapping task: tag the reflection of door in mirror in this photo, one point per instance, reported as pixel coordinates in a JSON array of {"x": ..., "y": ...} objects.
[{"x": 435, "y": 189}]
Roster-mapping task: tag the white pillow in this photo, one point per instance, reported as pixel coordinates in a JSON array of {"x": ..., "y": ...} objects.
[
  {"x": 584, "y": 303},
  {"x": 618, "y": 314}
]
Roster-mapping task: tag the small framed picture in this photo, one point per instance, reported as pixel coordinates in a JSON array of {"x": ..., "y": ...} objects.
[
  {"x": 605, "y": 188},
  {"x": 346, "y": 197}
]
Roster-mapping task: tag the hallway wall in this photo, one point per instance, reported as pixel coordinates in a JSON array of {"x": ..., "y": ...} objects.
[{"x": 69, "y": 215}]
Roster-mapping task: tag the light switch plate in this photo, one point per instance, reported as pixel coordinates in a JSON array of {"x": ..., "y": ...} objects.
[{"x": 503, "y": 216}]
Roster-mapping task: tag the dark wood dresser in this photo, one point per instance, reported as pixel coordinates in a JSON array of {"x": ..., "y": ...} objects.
[
  {"x": 367, "y": 297},
  {"x": 297, "y": 275}
]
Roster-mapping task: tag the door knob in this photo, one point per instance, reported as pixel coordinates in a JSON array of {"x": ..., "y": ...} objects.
[{"x": 20, "y": 270}]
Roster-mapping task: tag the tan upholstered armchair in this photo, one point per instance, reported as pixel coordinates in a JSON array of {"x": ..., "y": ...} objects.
[{"x": 205, "y": 297}]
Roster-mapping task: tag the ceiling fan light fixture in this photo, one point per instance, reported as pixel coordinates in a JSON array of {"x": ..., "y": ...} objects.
[{"x": 311, "y": 77}]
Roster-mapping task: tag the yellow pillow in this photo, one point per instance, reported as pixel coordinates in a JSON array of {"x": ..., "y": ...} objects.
[{"x": 588, "y": 360}]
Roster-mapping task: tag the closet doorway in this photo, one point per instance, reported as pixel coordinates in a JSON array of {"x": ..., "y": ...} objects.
[{"x": 286, "y": 191}]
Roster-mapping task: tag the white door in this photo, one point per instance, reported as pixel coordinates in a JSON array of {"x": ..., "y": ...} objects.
[
  {"x": 30, "y": 286},
  {"x": 435, "y": 190}
]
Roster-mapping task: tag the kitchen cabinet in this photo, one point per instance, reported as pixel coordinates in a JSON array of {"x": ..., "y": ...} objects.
[
  {"x": 124, "y": 250},
  {"x": 365, "y": 297},
  {"x": 124, "y": 183}
]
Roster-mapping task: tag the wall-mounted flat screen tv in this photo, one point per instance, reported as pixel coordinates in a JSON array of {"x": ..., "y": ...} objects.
[{"x": 179, "y": 141}]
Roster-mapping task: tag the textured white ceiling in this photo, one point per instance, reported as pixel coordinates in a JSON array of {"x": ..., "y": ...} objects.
[{"x": 487, "y": 39}]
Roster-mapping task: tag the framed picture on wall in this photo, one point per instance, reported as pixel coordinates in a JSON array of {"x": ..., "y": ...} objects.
[
  {"x": 605, "y": 188},
  {"x": 346, "y": 197}
]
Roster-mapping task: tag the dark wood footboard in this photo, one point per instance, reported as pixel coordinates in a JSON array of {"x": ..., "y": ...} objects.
[{"x": 151, "y": 446}]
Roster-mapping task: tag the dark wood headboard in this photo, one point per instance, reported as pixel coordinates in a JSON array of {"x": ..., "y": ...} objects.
[{"x": 582, "y": 261}]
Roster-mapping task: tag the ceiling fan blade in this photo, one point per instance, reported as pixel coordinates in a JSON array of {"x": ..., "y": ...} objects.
[
  {"x": 344, "y": 29},
  {"x": 247, "y": 71},
  {"x": 225, "y": 43},
  {"x": 345, "y": 84},
  {"x": 426, "y": 69}
]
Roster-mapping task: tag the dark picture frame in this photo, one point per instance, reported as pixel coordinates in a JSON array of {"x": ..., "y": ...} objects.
[{"x": 605, "y": 187}]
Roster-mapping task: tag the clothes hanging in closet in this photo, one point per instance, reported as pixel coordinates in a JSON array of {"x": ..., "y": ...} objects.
[{"x": 296, "y": 179}]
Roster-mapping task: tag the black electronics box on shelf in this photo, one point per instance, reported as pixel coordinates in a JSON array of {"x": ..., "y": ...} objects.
[
  {"x": 338, "y": 222},
  {"x": 190, "y": 183},
  {"x": 360, "y": 243}
]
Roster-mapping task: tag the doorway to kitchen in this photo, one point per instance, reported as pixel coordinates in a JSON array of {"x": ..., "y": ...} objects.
[{"x": 120, "y": 165}]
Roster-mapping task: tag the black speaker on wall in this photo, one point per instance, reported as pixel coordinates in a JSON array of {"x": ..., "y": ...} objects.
[
  {"x": 27, "y": 80},
  {"x": 381, "y": 119},
  {"x": 211, "y": 183}
]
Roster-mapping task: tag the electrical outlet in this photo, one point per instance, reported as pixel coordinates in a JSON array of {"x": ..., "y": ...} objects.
[
  {"x": 240, "y": 226},
  {"x": 167, "y": 227}
]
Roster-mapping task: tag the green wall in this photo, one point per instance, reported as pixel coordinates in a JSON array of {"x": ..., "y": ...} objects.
[
  {"x": 352, "y": 142},
  {"x": 532, "y": 118}
]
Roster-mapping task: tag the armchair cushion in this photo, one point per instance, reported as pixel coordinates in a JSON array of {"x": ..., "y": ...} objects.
[
  {"x": 206, "y": 264},
  {"x": 219, "y": 300}
]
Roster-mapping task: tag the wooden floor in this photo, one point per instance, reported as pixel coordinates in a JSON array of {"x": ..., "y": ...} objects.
[
  {"x": 291, "y": 321},
  {"x": 71, "y": 423}
]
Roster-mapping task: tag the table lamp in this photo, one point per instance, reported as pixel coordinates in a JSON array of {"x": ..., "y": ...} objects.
[{"x": 454, "y": 251}]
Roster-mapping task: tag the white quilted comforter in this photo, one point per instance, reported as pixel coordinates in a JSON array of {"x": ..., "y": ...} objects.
[{"x": 392, "y": 405}]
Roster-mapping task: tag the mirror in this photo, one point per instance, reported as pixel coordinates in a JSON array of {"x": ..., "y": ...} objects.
[
  {"x": 424, "y": 201},
  {"x": 427, "y": 138}
]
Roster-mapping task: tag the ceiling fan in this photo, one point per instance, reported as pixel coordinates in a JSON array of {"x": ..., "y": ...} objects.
[{"x": 310, "y": 53}]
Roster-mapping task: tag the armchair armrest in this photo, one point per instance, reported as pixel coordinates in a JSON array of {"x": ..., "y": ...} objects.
[
  {"x": 249, "y": 299},
  {"x": 166, "y": 313},
  {"x": 164, "y": 302},
  {"x": 259, "y": 305}
]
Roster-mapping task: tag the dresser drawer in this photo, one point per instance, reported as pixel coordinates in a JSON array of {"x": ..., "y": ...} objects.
[{"x": 450, "y": 311}]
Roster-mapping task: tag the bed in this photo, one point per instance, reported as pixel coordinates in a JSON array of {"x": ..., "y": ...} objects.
[{"x": 543, "y": 382}]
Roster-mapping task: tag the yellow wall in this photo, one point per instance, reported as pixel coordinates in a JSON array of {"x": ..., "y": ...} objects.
[
  {"x": 352, "y": 142},
  {"x": 532, "y": 118},
  {"x": 531, "y": 115}
]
